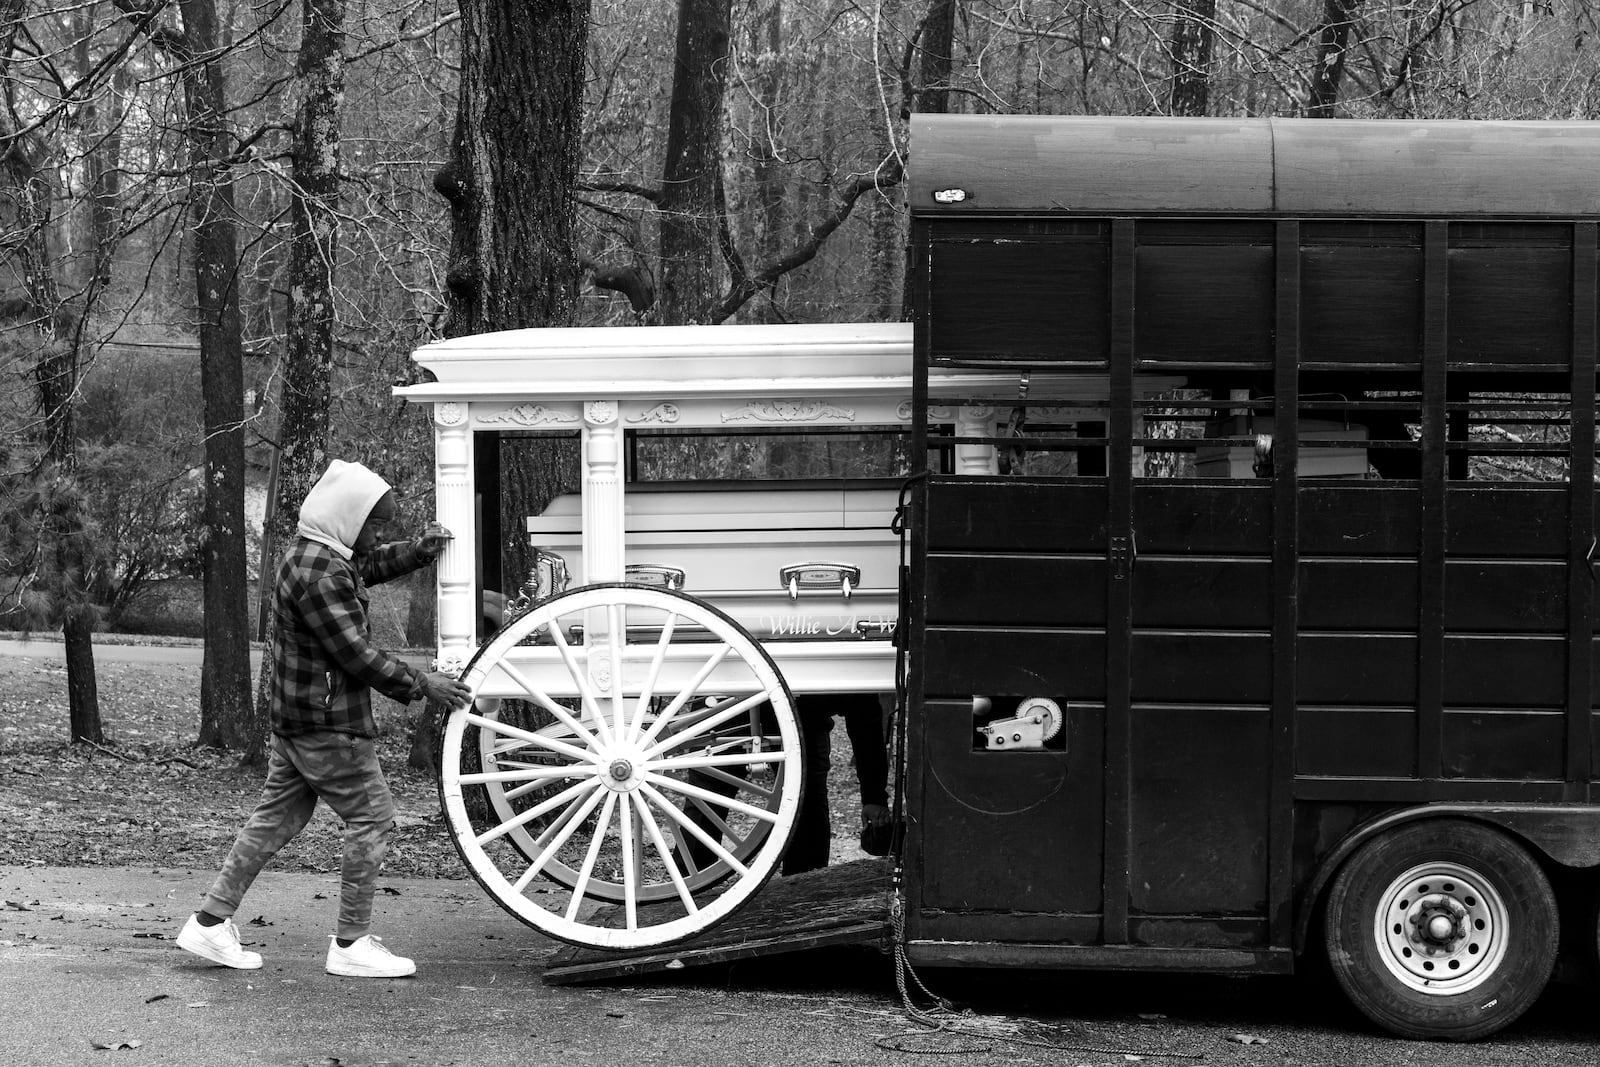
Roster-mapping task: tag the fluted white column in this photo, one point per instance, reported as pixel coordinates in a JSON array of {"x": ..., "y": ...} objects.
[
  {"x": 974, "y": 420},
  {"x": 602, "y": 493},
  {"x": 453, "y": 506}
]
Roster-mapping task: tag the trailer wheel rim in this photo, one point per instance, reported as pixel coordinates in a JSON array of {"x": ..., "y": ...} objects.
[
  {"x": 1442, "y": 928},
  {"x": 632, "y": 723}
]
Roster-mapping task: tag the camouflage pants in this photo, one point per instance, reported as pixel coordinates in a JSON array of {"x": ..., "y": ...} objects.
[{"x": 340, "y": 769}]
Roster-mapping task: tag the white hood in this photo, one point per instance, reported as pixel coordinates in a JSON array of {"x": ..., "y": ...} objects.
[{"x": 338, "y": 505}]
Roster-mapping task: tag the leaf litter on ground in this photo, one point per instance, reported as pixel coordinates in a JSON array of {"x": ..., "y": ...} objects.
[{"x": 149, "y": 796}]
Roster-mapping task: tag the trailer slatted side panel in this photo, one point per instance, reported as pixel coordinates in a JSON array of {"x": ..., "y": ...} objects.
[{"x": 1390, "y": 606}]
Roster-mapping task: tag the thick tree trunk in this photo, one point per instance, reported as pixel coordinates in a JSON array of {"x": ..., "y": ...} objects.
[
  {"x": 226, "y": 711},
  {"x": 509, "y": 184},
  {"x": 308, "y": 362},
  {"x": 1327, "y": 71},
  {"x": 689, "y": 222},
  {"x": 516, "y": 154},
  {"x": 936, "y": 58},
  {"x": 1193, "y": 37}
]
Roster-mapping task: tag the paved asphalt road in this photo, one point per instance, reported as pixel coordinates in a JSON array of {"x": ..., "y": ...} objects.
[
  {"x": 89, "y": 975},
  {"x": 86, "y": 961}
]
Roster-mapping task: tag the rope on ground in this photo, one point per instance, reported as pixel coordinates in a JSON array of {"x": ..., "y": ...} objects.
[{"x": 938, "y": 1019}]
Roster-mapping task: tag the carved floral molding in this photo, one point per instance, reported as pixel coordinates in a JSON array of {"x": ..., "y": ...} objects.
[
  {"x": 529, "y": 415},
  {"x": 662, "y": 413},
  {"x": 788, "y": 411}
]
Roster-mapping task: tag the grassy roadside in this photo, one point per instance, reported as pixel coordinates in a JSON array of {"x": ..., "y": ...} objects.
[{"x": 150, "y": 797}]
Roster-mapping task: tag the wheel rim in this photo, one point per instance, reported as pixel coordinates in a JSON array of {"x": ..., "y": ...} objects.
[
  {"x": 660, "y": 772},
  {"x": 1442, "y": 928}
]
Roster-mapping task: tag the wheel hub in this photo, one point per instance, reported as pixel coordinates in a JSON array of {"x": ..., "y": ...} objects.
[
  {"x": 1442, "y": 929},
  {"x": 1438, "y": 923},
  {"x": 624, "y": 770}
]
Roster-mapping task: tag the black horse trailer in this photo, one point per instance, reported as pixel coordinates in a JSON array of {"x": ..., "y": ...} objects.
[{"x": 1300, "y": 653}]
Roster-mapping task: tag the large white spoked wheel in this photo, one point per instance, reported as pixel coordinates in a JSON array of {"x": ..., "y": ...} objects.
[
  {"x": 1442, "y": 929},
  {"x": 630, "y": 746}
]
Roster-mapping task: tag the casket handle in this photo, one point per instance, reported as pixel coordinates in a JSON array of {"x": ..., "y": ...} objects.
[
  {"x": 656, "y": 574},
  {"x": 820, "y": 574}
]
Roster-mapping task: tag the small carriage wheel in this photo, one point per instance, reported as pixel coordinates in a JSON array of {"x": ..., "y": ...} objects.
[
  {"x": 660, "y": 772},
  {"x": 1442, "y": 929}
]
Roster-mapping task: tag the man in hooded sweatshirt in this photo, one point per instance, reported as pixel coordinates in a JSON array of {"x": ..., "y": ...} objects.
[{"x": 324, "y": 668}]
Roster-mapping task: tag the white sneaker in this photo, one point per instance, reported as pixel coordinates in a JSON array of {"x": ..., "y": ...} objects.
[
  {"x": 367, "y": 958},
  {"x": 219, "y": 944}
]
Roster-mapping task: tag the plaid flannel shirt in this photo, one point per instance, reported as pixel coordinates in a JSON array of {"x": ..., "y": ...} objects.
[{"x": 324, "y": 665}]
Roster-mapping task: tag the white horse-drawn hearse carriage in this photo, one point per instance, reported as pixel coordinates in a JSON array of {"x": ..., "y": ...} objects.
[{"x": 651, "y": 658}]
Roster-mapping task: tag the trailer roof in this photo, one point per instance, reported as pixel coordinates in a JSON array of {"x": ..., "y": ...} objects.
[{"x": 974, "y": 165}]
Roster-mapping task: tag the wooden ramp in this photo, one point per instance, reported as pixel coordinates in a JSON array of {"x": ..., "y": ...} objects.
[{"x": 842, "y": 905}]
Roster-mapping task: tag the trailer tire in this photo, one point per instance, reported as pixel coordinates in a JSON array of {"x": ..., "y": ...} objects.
[{"x": 1442, "y": 929}]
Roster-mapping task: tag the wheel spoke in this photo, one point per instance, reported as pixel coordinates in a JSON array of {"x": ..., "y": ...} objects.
[
  {"x": 647, "y": 691},
  {"x": 740, "y": 783},
  {"x": 630, "y": 867},
  {"x": 534, "y": 774},
  {"x": 580, "y": 681},
  {"x": 572, "y": 752},
  {"x": 672, "y": 812},
  {"x": 543, "y": 700},
  {"x": 561, "y": 838},
  {"x": 718, "y": 823},
  {"x": 695, "y": 762},
  {"x": 710, "y": 722},
  {"x": 568, "y": 794},
  {"x": 686, "y": 693},
  {"x": 707, "y": 795},
  {"x": 590, "y": 856},
  {"x": 648, "y": 821}
]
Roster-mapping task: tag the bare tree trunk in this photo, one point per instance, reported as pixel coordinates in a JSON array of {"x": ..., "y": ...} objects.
[
  {"x": 1327, "y": 69},
  {"x": 509, "y": 182},
  {"x": 688, "y": 206},
  {"x": 83, "y": 691},
  {"x": 226, "y": 711},
  {"x": 26, "y": 162},
  {"x": 308, "y": 361},
  {"x": 515, "y": 161},
  {"x": 769, "y": 174},
  {"x": 935, "y": 61},
  {"x": 1193, "y": 36},
  {"x": 936, "y": 58},
  {"x": 422, "y": 613}
]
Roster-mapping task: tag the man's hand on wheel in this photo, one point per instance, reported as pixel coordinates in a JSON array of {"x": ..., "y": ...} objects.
[{"x": 436, "y": 685}]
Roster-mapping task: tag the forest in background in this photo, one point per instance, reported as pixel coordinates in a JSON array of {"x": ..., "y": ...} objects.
[{"x": 225, "y": 225}]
